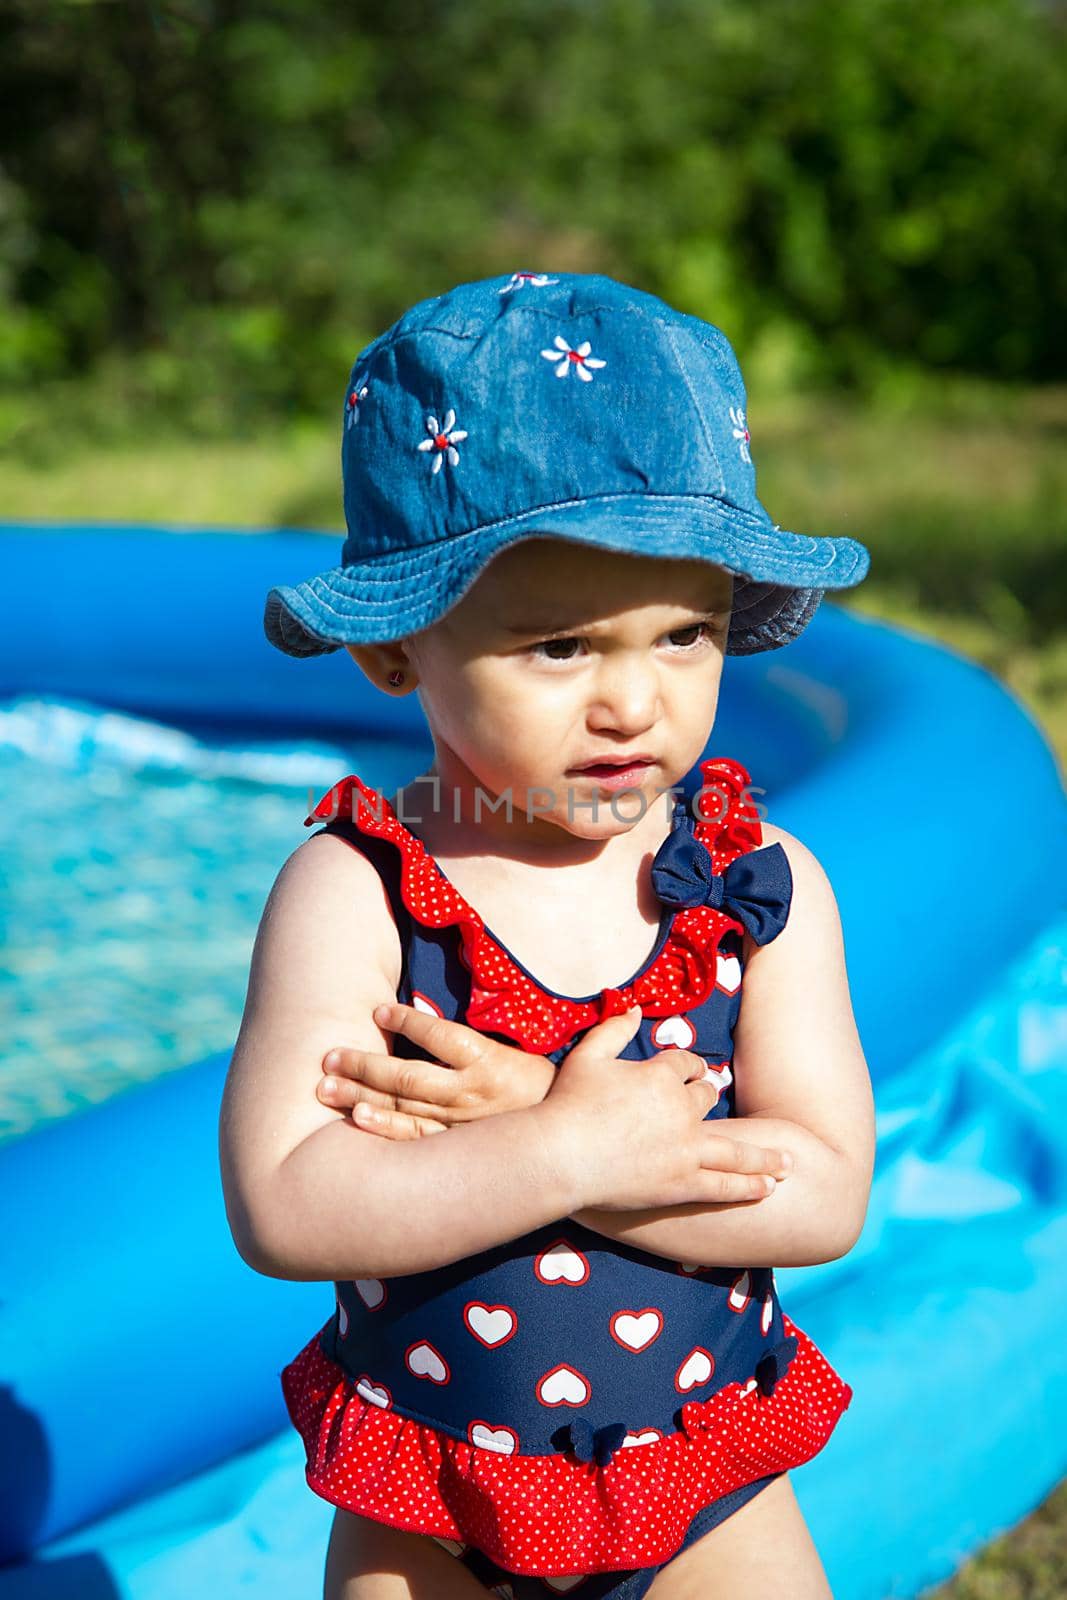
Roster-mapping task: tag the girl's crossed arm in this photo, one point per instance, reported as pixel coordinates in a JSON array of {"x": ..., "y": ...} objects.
[
  {"x": 802, "y": 1086},
  {"x": 311, "y": 1196}
]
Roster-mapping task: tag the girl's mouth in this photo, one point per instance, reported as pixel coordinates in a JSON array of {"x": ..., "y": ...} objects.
[{"x": 615, "y": 775}]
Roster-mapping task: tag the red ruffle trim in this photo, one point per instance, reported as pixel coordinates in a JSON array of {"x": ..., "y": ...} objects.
[
  {"x": 504, "y": 999},
  {"x": 632, "y": 1512}
]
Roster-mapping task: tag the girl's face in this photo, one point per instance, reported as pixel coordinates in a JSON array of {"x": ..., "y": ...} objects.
[{"x": 567, "y": 674}]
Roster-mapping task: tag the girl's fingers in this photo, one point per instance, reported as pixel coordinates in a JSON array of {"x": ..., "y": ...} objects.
[
  {"x": 608, "y": 1037},
  {"x": 451, "y": 1042},
  {"x": 342, "y": 1093},
  {"x": 395, "y": 1124},
  {"x": 690, "y": 1067},
  {"x": 415, "y": 1086},
  {"x": 347, "y": 1093},
  {"x": 347, "y": 1096},
  {"x": 736, "y": 1156},
  {"x": 733, "y": 1186}
]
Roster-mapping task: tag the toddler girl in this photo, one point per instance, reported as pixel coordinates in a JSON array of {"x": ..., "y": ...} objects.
[{"x": 557, "y": 1360}]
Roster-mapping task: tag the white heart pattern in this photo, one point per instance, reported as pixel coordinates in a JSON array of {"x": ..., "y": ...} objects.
[
  {"x": 719, "y": 1078},
  {"x": 502, "y": 1439},
  {"x": 696, "y": 1369},
  {"x": 741, "y": 1292},
  {"x": 371, "y": 1291},
  {"x": 491, "y": 1324},
  {"x": 561, "y": 1263},
  {"x": 422, "y": 1002},
  {"x": 650, "y": 1436},
  {"x": 372, "y": 1391},
  {"x": 453, "y": 1546},
  {"x": 563, "y": 1387},
  {"x": 564, "y": 1585},
  {"x": 766, "y": 1315},
  {"x": 637, "y": 1329},
  {"x": 342, "y": 1314},
  {"x": 673, "y": 1033},
  {"x": 424, "y": 1361},
  {"x": 727, "y": 973}
]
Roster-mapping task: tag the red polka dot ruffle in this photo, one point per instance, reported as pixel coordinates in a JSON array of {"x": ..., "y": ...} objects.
[{"x": 552, "y": 1515}]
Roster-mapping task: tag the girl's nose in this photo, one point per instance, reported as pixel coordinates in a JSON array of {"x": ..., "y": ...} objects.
[{"x": 626, "y": 697}]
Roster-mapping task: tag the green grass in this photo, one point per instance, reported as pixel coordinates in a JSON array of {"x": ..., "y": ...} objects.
[
  {"x": 1028, "y": 1563},
  {"x": 959, "y": 493}
]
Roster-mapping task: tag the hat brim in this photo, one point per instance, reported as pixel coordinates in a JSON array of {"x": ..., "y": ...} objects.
[{"x": 779, "y": 576}]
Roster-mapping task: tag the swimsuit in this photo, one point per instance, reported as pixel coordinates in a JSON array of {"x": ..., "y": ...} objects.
[{"x": 561, "y": 1404}]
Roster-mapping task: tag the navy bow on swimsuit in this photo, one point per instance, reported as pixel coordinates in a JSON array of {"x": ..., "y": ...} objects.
[
  {"x": 589, "y": 1443},
  {"x": 755, "y": 888}
]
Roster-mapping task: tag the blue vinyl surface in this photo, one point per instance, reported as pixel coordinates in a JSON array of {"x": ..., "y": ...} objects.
[{"x": 144, "y": 1447}]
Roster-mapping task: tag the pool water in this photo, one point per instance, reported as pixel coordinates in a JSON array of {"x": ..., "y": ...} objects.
[{"x": 135, "y": 860}]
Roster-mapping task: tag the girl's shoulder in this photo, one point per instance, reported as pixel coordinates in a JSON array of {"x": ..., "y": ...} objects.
[
  {"x": 329, "y": 908},
  {"x": 813, "y": 909}
]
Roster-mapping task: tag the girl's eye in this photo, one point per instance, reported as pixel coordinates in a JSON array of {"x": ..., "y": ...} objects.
[
  {"x": 698, "y": 631},
  {"x": 555, "y": 644},
  {"x": 686, "y": 637}
]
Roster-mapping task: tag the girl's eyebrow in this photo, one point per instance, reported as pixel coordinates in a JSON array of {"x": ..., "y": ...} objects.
[
  {"x": 547, "y": 630},
  {"x": 550, "y": 630}
]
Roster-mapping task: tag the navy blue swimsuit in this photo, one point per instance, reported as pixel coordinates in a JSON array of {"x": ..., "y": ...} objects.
[{"x": 561, "y": 1403}]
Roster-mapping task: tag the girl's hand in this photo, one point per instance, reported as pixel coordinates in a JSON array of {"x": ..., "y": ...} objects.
[
  {"x": 637, "y": 1134},
  {"x": 407, "y": 1099}
]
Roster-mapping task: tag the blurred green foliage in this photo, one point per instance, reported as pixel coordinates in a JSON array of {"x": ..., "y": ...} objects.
[{"x": 221, "y": 201}]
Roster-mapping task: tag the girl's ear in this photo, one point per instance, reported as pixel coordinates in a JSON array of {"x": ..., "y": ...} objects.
[{"x": 388, "y": 666}]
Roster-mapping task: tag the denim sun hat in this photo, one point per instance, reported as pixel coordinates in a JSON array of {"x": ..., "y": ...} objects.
[{"x": 569, "y": 405}]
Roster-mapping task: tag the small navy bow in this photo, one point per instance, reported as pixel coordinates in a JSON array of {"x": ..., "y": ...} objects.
[
  {"x": 587, "y": 1441},
  {"x": 756, "y": 887},
  {"x": 770, "y": 1367}
]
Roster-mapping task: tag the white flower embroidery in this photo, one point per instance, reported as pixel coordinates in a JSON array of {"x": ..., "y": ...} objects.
[
  {"x": 579, "y": 359},
  {"x": 737, "y": 417},
  {"x": 443, "y": 439},
  {"x": 358, "y": 394},
  {"x": 537, "y": 280}
]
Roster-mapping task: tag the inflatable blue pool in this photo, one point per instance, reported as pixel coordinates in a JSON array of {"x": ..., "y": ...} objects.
[{"x": 144, "y": 1447}]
